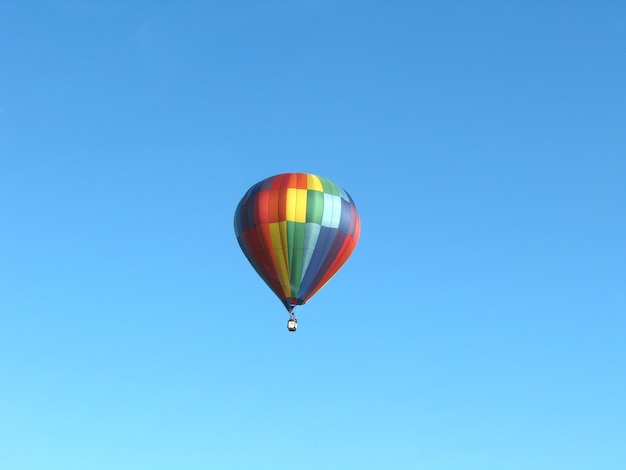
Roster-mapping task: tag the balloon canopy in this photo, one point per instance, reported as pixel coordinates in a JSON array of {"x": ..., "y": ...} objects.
[{"x": 297, "y": 230}]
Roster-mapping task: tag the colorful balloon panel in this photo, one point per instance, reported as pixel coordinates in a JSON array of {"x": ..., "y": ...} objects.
[{"x": 297, "y": 230}]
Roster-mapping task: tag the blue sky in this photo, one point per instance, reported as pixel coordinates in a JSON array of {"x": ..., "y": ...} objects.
[{"x": 478, "y": 325}]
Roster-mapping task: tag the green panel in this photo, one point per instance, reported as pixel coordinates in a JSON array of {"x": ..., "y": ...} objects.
[
  {"x": 311, "y": 235},
  {"x": 295, "y": 235},
  {"x": 291, "y": 232},
  {"x": 314, "y": 206},
  {"x": 329, "y": 186}
]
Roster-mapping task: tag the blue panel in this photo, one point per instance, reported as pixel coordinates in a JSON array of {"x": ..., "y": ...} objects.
[
  {"x": 346, "y": 215},
  {"x": 324, "y": 242}
]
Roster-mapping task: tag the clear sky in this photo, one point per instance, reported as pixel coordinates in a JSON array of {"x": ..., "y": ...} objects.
[{"x": 480, "y": 324}]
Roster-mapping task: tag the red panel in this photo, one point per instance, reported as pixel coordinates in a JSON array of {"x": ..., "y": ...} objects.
[
  {"x": 256, "y": 250},
  {"x": 273, "y": 204},
  {"x": 279, "y": 181},
  {"x": 282, "y": 197},
  {"x": 262, "y": 255},
  {"x": 261, "y": 207}
]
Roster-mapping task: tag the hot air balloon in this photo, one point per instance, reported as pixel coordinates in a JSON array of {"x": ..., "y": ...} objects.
[{"x": 297, "y": 230}]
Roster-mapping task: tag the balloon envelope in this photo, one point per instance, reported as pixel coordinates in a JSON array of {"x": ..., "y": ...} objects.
[{"x": 297, "y": 230}]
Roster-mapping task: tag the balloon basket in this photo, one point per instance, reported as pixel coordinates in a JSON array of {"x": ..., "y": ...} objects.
[{"x": 292, "y": 323}]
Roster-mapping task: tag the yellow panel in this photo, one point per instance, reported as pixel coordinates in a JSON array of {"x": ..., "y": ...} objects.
[
  {"x": 284, "y": 244},
  {"x": 296, "y": 205},
  {"x": 279, "y": 250},
  {"x": 301, "y": 205},
  {"x": 290, "y": 203},
  {"x": 313, "y": 182},
  {"x": 275, "y": 236}
]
